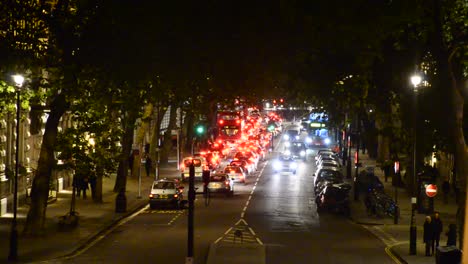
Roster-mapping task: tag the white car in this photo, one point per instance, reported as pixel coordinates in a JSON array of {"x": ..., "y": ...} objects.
[
  {"x": 165, "y": 192},
  {"x": 285, "y": 165},
  {"x": 236, "y": 173}
]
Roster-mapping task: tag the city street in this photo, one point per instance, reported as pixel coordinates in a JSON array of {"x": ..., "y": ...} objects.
[{"x": 279, "y": 209}]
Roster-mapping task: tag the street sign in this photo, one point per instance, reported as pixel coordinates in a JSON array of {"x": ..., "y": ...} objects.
[{"x": 431, "y": 190}]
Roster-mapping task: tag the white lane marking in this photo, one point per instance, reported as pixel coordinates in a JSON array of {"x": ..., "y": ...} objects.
[{"x": 229, "y": 230}]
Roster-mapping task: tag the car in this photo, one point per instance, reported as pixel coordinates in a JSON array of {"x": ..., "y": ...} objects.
[
  {"x": 166, "y": 192},
  {"x": 248, "y": 168},
  {"x": 297, "y": 150},
  {"x": 328, "y": 163},
  {"x": 292, "y": 134},
  {"x": 221, "y": 183},
  {"x": 200, "y": 164},
  {"x": 327, "y": 174},
  {"x": 236, "y": 173},
  {"x": 285, "y": 165},
  {"x": 324, "y": 158}
]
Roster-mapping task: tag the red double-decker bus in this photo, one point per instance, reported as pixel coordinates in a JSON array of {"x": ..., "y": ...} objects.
[{"x": 229, "y": 125}]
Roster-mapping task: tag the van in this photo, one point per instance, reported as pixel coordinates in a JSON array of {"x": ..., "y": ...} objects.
[{"x": 200, "y": 164}]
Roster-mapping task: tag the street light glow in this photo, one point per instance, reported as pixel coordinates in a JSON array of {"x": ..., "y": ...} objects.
[
  {"x": 19, "y": 79},
  {"x": 416, "y": 80}
]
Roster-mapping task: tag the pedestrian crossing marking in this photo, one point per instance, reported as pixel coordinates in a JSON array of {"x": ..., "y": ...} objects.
[{"x": 240, "y": 233}]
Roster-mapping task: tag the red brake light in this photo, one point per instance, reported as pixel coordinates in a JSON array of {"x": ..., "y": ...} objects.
[
  {"x": 221, "y": 122},
  {"x": 176, "y": 195},
  {"x": 238, "y": 121},
  {"x": 226, "y": 182},
  {"x": 151, "y": 195}
]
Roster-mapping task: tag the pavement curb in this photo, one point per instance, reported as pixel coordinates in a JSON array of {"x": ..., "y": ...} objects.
[
  {"x": 85, "y": 242},
  {"x": 395, "y": 254}
]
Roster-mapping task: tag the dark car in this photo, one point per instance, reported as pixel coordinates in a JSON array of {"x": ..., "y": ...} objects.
[
  {"x": 297, "y": 150},
  {"x": 327, "y": 174}
]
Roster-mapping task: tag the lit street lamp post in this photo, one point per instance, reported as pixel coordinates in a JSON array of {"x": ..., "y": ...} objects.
[
  {"x": 415, "y": 80},
  {"x": 13, "y": 254}
]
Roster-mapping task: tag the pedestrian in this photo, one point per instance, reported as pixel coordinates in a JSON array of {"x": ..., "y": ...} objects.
[
  {"x": 84, "y": 185},
  {"x": 148, "y": 165},
  {"x": 76, "y": 185},
  {"x": 428, "y": 235},
  {"x": 438, "y": 228},
  {"x": 446, "y": 190},
  {"x": 452, "y": 235},
  {"x": 92, "y": 183},
  {"x": 131, "y": 160}
]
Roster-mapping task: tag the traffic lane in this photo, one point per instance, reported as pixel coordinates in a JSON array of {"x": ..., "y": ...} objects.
[
  {"x": 161, "y": 235},
  {"x": 283, "y": 214}
]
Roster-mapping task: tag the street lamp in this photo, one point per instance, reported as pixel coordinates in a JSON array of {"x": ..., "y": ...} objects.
[
  {"x": 415, "y": 80},
  {"x": 13, "y": 254}
]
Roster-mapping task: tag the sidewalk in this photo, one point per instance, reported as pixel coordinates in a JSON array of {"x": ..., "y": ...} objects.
[
  {"x": 396, "y": 236},
  {"x": 94, "y": 219}
]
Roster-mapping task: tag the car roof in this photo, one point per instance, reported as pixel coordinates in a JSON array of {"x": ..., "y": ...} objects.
[{"x": 330, "y": 168}]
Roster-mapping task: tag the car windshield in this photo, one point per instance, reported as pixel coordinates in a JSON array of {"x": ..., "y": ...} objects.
[
  {"x": 330, "y": 175},
  {"x": 292, "y": 132},
  {"x": 164, "y": 185}
]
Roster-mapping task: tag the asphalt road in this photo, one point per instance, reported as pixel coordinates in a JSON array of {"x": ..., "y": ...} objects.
[{"x": 279, "y": 208}]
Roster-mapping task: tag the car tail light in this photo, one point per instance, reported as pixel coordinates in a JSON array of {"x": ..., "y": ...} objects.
[
  {"x": 151, "y": 195},
  {"x": 226, "y": 182},
  {"x": 238, "y": 121},
  {"x": 221, "y": 122},
  {"x": 176, "y": 195}
]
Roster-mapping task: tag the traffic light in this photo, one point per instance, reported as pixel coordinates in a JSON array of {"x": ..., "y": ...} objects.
[
  {"x": 271, "y": 127},
  {"x": 200, "y": 129}
]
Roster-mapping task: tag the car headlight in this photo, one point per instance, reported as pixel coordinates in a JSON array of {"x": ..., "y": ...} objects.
[
  {"x": 277, "y": 165},
  {"x": 286, "y": 137},
  {"x": 302, "y": 153},
  {"x": 327, "y": 141},
  {"x": 287, "y": 153},
  {"x": 287, "y": 144},
  {"x": 308, "y": 140},
  {"x": 297, "y": 137},
  {"x": 293, "y": 165}
]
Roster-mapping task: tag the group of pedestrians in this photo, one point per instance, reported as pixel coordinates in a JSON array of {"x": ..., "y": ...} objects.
[{"x": 433, "y": 227}]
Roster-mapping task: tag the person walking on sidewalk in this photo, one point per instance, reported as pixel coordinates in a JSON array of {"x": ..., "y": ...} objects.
[
  {"x": 446, "y": 190},
  {"x": 452, "y": 235},
  {"x": 148, "y": 165},
  {"x": 438, "y": 228},
  {"x": 84, "y": 185},
  {"x": 428, "y": 235}
]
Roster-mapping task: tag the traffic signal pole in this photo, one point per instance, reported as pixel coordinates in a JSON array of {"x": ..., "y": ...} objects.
[{"x": 191, "y": 207}]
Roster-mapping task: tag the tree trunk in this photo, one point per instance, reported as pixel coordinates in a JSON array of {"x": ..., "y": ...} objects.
[
  {"x": 97, "y": 198},
  {"x": 40, "y": 187},
  {"x": 122, "y": 171},
  {"x": 167, "y": 143}
]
